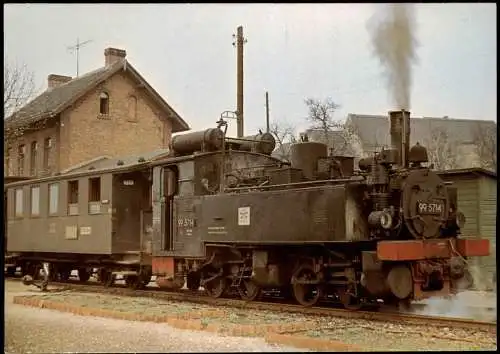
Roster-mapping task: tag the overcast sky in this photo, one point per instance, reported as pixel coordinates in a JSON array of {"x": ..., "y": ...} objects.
[{"x": 294, "y": 51}]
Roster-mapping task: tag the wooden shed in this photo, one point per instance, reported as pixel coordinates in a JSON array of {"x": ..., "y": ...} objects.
[{"x": 477, "y": 199}]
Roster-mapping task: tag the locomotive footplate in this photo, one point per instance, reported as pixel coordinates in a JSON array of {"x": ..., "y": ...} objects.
[{"x": 427, "y": 249}]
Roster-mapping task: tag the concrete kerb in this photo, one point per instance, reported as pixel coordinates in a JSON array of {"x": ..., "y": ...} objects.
[{"x": 273, "y": 333}]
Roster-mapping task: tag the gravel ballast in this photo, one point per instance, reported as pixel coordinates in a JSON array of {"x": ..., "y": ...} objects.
[
  {"x": 46, "y": 331},
  {"x": 354, "y": 333}
]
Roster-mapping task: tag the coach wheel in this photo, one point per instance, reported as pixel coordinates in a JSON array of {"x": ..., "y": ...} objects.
[
  {"x": 64, "y": 274},
  {"x": 248, "y": 290},
  {"x": 54, "y": 272},
  {"x": 145, "y": 279},
  {"x": 36, "y": 270},
  {"x": 351, "y": 302},
  {"x": 11, "y": 271},
  {"x": 145, "y": 275},
  {"x": 83, "y": 275},
  {"x": 306, "y": 294},
  {"x": 104, "y": 276},
  {"x": 193, "y": 281},
  {"x": 133, "y": 281},
  {"x": 109, "y": 279},
  {"x": 31, "y": 269},
  {"x": 216, "y": 287}
]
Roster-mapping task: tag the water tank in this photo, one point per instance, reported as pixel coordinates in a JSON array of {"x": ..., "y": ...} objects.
[
  {"x": 305, "y": 156},
  {"x": 204, "y": 140},
  {"x": 263, "y": 143}
]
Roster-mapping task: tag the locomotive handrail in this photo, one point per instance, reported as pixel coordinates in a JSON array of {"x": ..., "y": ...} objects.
[
  {"x": 296, "y": 184},
  {"x": 235, "y": 140}
]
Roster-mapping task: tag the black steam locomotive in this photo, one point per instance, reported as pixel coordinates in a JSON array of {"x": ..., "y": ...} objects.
[
  {"x": 228, "y": 216},
  {"x": 221, "y": 213}
]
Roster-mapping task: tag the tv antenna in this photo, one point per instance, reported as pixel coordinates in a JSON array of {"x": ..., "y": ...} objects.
[{"x": 76, "y": 48}]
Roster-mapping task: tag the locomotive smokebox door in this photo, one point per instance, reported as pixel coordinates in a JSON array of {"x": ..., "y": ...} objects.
[{"x": 425, "y": 203}]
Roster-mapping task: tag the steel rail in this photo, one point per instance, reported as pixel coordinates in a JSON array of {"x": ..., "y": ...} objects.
[{"x": 274, "y": 305}]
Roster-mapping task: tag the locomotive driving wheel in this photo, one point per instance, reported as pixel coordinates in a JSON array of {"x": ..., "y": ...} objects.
[
  {"x": 350, "y": 302},
  {"x": 193, "y": 281},
  {"x": 83, "y": 275},
  {"x": 249, "y": 290},
  {"x": 306, "y": 288},
  {"x": 216, "y": 284}
]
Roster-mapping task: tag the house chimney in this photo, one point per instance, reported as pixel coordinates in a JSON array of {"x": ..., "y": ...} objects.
[
  {"x": 54, "y": 80},
  {"x": 112, "y": 55}
]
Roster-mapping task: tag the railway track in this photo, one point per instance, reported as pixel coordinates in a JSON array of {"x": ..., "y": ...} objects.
[{"x": 275, "y": 304}]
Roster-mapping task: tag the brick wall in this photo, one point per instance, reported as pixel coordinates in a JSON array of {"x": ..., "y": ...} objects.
[
  {"x": 85, "y": 133},
  {"x": 42, "y": 169}
]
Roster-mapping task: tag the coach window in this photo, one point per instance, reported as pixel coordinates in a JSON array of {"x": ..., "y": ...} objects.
[
  {"x": 53, "y": 198},
  {"x": 18, "y": 199},
  {"x": 95, "y": 195},
  {"x": 35, "y": 201},
  {"x": 73, "y": 198}
]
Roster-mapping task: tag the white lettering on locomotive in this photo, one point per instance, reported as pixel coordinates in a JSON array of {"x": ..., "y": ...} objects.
[
  {"x": 185, "y": 222},
  {"x": 430, "y": 208}
]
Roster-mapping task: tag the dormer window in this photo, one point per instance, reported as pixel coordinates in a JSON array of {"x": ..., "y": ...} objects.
[{"x": 104, "y": 103}]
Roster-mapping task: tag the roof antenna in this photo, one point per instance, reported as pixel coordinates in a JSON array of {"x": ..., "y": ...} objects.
[{"x": 76, "y": 48}]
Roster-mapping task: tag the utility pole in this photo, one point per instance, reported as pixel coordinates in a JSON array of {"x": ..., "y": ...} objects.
[
  {"x": 239, "y": 78},
  {"x": 76, "y": 48},
  {"x": 267, "y": 112}
]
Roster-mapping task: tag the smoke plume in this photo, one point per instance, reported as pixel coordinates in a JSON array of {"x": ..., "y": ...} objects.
[{"x": 393, "y": 37}]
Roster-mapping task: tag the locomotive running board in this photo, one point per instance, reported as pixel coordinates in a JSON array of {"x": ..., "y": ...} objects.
[{"x": 414, "y": 250}]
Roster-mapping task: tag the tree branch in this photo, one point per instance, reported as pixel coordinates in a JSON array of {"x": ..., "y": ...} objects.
[{"x": 283, "y": 133}]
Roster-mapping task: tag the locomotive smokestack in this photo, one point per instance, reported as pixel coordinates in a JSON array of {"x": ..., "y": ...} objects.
[
  {"x": 400, "y": 135},
  {"x": 239, "y": 78}
]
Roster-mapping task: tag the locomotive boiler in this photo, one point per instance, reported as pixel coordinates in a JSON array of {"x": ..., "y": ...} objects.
[{"x": 237, "y": 219}]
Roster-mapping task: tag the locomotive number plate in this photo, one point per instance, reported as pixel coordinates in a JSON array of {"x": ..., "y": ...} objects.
[{"x": 430, "y": 208}]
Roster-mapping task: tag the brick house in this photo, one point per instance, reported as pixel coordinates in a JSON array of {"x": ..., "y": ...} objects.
[{"x": 111, "y": 111}]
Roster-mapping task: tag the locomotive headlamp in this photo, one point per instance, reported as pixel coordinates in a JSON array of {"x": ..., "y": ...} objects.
[
  {"x": 381, "y": 219},
  {"x": 460, "y": 219},
  {"x": 386, "y": 220}
]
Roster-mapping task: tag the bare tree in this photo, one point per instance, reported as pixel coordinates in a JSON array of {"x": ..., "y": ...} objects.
[
  {"x": 284, "y": 133},
  {"x": 19, "y": 87},
  {"x": 321, "y": 115},
  {"x": 441, "y": 150},
  {"x": 485, "y": 141},
  {"x": 335, "y": 133}
]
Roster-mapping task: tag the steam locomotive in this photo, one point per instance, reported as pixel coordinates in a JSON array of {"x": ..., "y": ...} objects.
[{"x": 223, "y": 214}]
